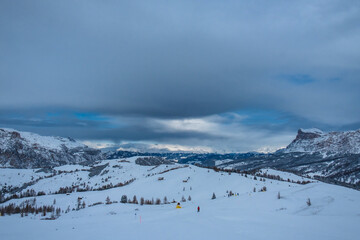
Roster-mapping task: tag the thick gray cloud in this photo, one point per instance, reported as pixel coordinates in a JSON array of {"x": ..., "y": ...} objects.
[{"x": 178, "y": 60}]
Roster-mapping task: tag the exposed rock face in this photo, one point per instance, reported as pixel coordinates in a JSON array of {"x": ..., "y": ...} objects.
[
  {"x": 29, "y": 150},
  {"x": 306, "y": 135},
  {"x": 328, "y": 144}
]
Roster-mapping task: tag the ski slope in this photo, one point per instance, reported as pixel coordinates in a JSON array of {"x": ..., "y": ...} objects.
[{"x": 334, "y": 213}]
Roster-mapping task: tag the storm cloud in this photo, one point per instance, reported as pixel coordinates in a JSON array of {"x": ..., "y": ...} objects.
[{"x": 165, "y": 71}]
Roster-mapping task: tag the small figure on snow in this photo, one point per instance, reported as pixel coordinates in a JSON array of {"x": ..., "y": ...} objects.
[{"x": 198, "y": 208}]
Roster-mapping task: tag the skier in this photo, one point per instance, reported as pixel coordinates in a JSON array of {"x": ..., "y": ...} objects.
[{"x": 198, "y": 208}]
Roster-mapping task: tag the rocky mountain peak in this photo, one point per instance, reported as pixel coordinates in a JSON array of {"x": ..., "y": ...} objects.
[
  {"x": 308, "y": 134},
  {"x": 30, "y": 150},
  {"x": 316, "y": 141}
]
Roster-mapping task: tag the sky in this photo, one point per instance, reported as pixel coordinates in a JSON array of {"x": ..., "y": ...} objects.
[{"x": 224, "y": 76}]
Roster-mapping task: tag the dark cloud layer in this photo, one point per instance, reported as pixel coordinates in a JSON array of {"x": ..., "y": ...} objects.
[{"x": 177, "y": 60}]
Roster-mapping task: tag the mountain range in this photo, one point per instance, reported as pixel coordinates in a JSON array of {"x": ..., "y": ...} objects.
[{"x": 332, "y": 157}]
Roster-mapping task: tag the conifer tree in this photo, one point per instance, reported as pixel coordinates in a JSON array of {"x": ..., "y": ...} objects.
[
  {"x": 142, "y": 201},
  {"x": 78, "y": 205},
  {"x": 213, "y": 196},
  {"x": 123, "y": 199},
  {"x": 135, "y": 201}
]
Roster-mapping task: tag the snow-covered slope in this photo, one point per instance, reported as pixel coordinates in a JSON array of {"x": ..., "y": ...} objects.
[
  {"x": 333, "y": 214},
  {"x": 30, "y": 150},
  {"x": 314, "y": 140}
]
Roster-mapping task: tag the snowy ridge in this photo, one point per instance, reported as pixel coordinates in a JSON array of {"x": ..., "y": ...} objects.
[
  {"x": 311, "y": 130},
  {"x": 47, "y": 142}
]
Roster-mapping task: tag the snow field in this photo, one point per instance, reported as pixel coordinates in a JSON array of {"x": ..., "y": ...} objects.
[{"x": 334, "y": 213}]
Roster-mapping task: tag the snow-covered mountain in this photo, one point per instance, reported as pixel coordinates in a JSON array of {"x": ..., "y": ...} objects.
[
  {"x": 332, "y": 143},
  {"x": 30, "y": 150},
  {"x": 332, "y": 157}
]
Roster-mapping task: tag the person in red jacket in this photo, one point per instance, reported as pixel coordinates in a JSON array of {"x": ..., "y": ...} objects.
[{"x": 198, "y": 208}]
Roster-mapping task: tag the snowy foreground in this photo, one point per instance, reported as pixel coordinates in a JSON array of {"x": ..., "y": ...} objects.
[{"x": 333, "y": 214}]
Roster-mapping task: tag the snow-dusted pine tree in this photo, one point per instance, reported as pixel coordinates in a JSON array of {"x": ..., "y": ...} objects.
[{"x": 213, "y": 196}]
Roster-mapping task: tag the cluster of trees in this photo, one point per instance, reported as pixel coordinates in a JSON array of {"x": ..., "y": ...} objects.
[
  {"x": 216, "y": 169},
  {"x": 108, "y": 186},
  {"x": 143, "y": 201},
  {"x": 155, "y": 202},
  {"x": 7, "y": 189},
  {"x": 260, "y": 179},
  {"x": 63, "y": 190},
  {"x": 71, "y": 171},
  {"x": 230, "y": 193},
  {"x": 278, "y": 178},
  {"x": 94, "y": 204},
  {"x": 28, "y": 193},
  {"x": 254, "y": 172},
  {"x": 183, "y": 199},
  {"x": 263, "y": 189},
  {"x": 165, "y": 171},
  {"x": 86, "y": 188},
  {"x": 80, "y": 204},
  {"x": 171, "y": 169},
  {"x": 29, "y": 207}
]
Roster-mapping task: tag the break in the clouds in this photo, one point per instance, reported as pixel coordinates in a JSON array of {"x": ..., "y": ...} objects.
[{"x": 231, "y": 75}]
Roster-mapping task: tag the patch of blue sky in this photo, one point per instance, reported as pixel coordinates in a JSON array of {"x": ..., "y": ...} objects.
[
  {"x": 261, "y": 116},
  {"x": 104, "y": 121}
]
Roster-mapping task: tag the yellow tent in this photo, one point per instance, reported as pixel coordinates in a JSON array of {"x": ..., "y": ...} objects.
[{"x": 178, "y": 205}]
